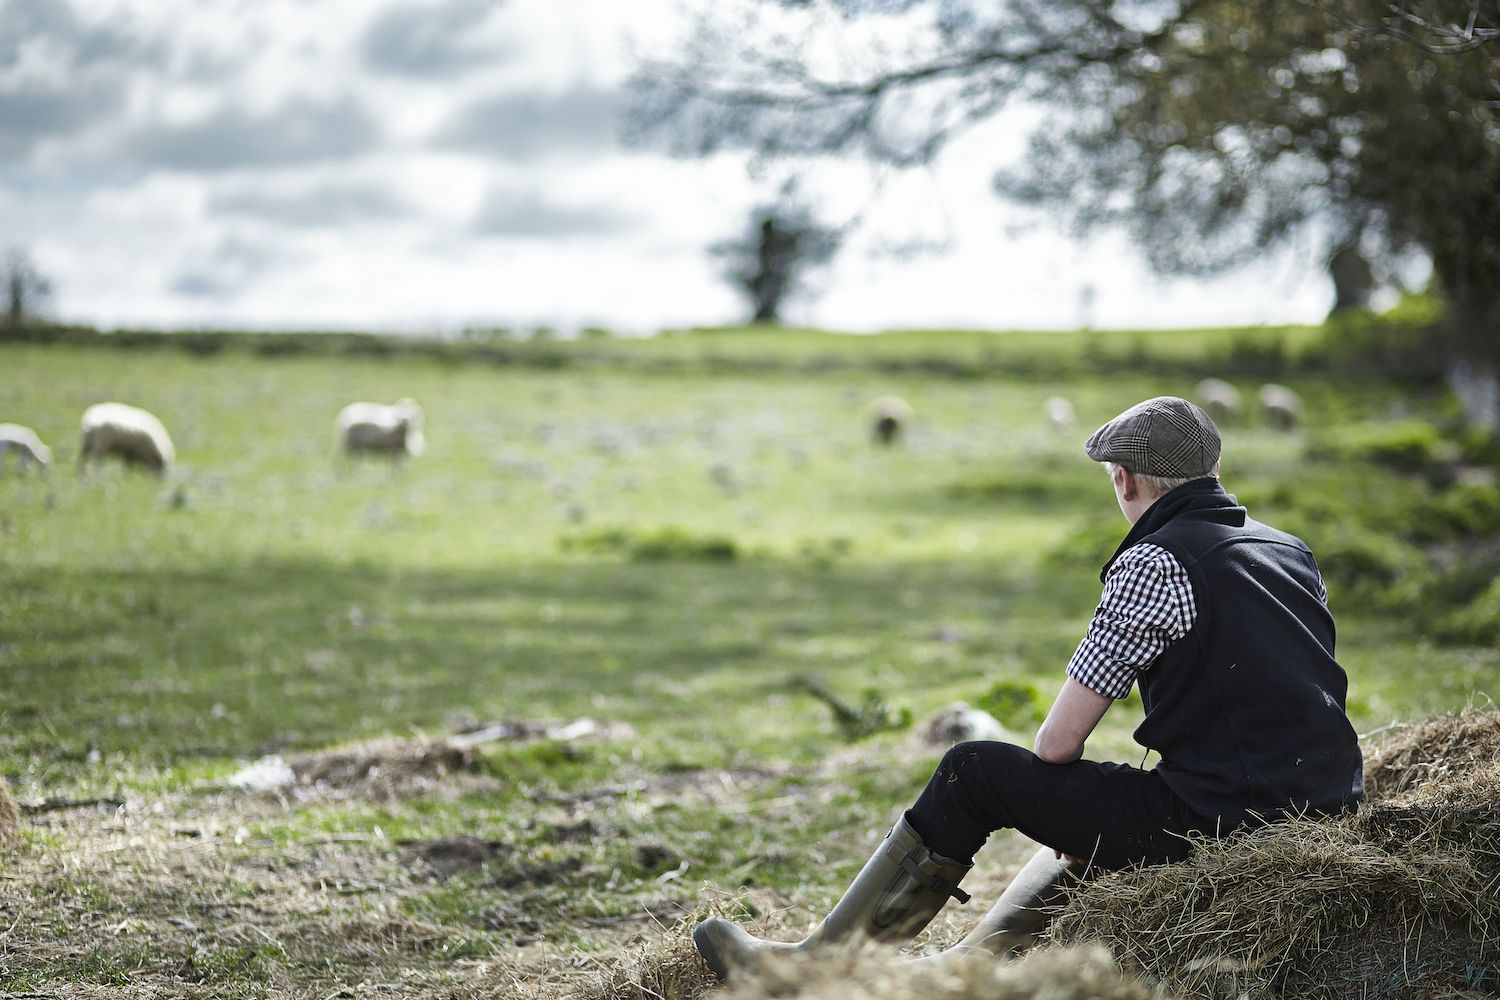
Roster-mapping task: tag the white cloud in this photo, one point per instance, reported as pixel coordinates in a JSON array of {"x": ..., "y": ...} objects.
[
  {"x": 532, "y": 213},
  {"x": 408, "y": 164},
  {"x": 525, "y": 125},
  {"x": 231, "y": 138},
  {"x": 315, "y": 204},
  {"x": 425, "y": 40}
]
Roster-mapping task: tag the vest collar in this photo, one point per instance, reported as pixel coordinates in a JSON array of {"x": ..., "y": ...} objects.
[{"x": 1199, "y": 494}]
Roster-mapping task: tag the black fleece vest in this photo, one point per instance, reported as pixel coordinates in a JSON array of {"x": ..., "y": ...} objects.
[{"x": 1247, "y": 709}]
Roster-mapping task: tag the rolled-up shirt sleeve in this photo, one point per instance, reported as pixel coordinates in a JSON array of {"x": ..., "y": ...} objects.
[{"x": 1147, "y": 606}]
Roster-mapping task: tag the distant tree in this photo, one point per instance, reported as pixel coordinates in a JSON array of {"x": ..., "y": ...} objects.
[
  {"x": 1210, "y": 130},
  {"x": 25, "y": 287},
  {"x": 781, "y": 246}
]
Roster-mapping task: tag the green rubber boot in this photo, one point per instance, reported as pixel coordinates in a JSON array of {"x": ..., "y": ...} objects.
[
  {"x": 897, "y": 893},
  {"x": 1021, "y": 913}
]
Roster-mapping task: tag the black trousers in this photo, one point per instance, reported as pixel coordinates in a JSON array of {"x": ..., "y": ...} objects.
[{"x": 1113, "y": 815}]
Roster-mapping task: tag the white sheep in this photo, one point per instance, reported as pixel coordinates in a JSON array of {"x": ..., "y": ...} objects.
[
  {"x": 960, "y": 722},
  {"x": 1059, "y": 412},
  {"x": 24, "y": 443},
  {"x": 130, "y": 433},
  {"x": 1220, "y": 399},
  {"x": 889, "y": 415},
  {"x": 1281, "y": 407},
  {"x": 376, "y": 428}
]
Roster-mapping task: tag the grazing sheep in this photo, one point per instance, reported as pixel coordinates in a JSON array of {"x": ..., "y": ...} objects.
[
  {"x": 1281, "y": 407},
  {"x": 1219, "y": 398},
  {"x": 375, "y": 428},
  {"x": 959, "y": 723},
  {"x": 27, "y": 447},
  {"x": 1059, "y": 413},
  {"x": 130, "y": 433},
  {"x": 889, "y": 416}
]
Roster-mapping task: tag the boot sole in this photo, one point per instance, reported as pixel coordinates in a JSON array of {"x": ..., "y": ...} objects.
[{"x": 710, "y": 954}]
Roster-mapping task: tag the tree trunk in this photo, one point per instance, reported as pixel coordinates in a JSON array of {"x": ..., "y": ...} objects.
[
  {"x": 1352, "y": 279},
  {"x": 1470, "y": 284},
  {"x": 1478, "y": 392}
]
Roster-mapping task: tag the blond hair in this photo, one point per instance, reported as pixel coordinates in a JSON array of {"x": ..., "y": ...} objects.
[{"x": 1159, "y": 485}]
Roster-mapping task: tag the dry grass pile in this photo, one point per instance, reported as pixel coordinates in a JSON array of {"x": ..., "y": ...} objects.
[
  {"x": 667, "y": 968},
  {"x": 1081, "y": 973},
  {"x": 675, "y": 972},
  {"x": 1401, "y": 900},
  {"x": 397, "y": 768},
  {"x": 1437, "y": 756},
  {"x": 387, "y": 767}
]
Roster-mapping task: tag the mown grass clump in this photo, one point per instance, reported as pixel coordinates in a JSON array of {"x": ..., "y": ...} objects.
[
  {"x": 857, "y": 720},
  {"x": 1409, "y": 446},
  {"x": 1476, "y": 623},
  {"x": 1370, "y": 566},
  {"x": 1469, "y": 510},
  {"x": 1016, "y": 705},
  {"x": 654, "y": 545}
]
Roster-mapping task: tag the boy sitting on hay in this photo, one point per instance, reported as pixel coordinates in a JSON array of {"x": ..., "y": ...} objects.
[{"x": 1222, "y": 621}]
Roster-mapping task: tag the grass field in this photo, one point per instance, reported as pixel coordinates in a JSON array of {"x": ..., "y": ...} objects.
[{"x": 702, "y": 559}]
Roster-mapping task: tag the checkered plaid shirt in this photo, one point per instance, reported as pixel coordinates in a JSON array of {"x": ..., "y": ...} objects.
[{"x": 1147, "y": 606}]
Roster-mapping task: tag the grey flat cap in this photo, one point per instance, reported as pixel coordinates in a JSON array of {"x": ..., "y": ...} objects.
[{"x": 1166, "y": 436}]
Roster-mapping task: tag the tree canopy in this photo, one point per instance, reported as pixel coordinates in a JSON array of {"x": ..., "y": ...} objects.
[{"x": 1210, "y": 130}]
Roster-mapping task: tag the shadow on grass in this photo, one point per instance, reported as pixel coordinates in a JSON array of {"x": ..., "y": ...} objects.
[{"x": 177, "y": 666}]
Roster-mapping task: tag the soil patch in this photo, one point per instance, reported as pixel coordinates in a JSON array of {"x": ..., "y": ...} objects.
[
  {"x": 541, "y": 873},
  {"x": 452, "y": 855}
]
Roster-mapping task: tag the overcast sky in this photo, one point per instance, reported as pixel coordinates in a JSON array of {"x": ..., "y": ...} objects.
[{"x": 428, "y": 164}]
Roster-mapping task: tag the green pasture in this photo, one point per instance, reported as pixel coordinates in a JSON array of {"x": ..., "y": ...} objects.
[{"x": 711, "y": 554}]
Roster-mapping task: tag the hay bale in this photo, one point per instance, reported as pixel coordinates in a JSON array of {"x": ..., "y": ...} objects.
[
  {"x": 1275, "y": 913},
  {"x": 1436, "y": 752},
  {"x": 1401, "y": 899}
]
